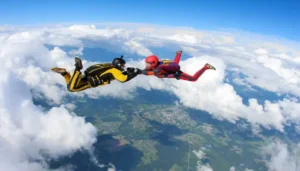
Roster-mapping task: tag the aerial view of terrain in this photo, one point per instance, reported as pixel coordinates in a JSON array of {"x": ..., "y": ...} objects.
[
  {"x": 190, "y": 85},
  {"x": 145, "y": 134}
]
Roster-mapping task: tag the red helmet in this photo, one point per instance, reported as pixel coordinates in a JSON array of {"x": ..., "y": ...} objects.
[{"x": 151, "y": 61}]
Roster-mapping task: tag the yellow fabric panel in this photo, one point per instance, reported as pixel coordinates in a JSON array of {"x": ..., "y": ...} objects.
[{"x": 117, "y": 74}]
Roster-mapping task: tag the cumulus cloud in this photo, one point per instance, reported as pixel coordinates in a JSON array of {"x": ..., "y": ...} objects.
[
  {"x": 77, "y": 52},
  {"x": 28, "y": 134},
  {"x": 232, "y": 168},
  {"x": 281, "y": 156},
  {"x": 261, "y": 61},
  {"x": 70, "y": 106},
  {"x": 248, "y": 169},
  {"x": 200, "y": 166},
  {"x": 27, "y": 61},
  {"x": 263, "y": 66},
  {"x": 6, "y": 28}
]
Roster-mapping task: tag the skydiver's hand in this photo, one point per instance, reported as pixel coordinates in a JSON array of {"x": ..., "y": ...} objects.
[
  {"x": 130, "y": 69},
  {"x": 180, "y": 51},
  {"x": 134, "y": 70},
  {"x": 138, "y": 71},
  {"x": 160, "y": 76}
]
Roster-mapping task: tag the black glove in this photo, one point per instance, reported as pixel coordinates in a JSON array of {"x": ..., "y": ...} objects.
[
  {"x": 177, "y": 75},
  {"x": 138, "y": 71},
  {"x": 130, "y": 69},
  {"x": 131, "y": 75},
  {"x": 94, "y": 81}
]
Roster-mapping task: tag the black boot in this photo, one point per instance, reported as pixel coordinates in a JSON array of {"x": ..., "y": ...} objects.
[{"x": 78, "y": 63}]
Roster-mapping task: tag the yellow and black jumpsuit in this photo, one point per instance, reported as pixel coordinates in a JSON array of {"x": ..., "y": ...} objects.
[{"x": 76, "y": 82}]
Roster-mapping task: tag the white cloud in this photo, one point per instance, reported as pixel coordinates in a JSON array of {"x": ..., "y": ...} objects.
[
  {"x": 200, "y": 166},
  {"x": 70, "y": 106},
  {"x": 270, "y": 66},
  {"x": 6, "y": 28},
  {"x": 204, "y": 168},
  {"x": 111, "y": 167},
  {"x": 297, "y": 129},
  {"x": 77, "y": 52},
  {"x": 135, "y": 47},
  {"x": 281, "y": 156},
  {"x": 28, "y": 134},
  {"x": 261, "y": 51},
  {"x": 248, "y": 169},
  {"x": 184, "y": 38},
  {"x": 232, "y": 168},
  {"x": 226, "y": 51}
]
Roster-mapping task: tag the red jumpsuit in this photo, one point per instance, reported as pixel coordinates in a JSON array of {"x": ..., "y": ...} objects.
[{"x": 171, "y": 69}]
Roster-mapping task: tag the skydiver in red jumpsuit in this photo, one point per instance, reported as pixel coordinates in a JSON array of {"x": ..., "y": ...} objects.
[{"x": 171, "y": 69}]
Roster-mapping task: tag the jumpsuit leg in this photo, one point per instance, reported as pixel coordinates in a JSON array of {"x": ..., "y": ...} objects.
[
  {"x": 187, "y": 77},
  {"x": 184, "y": 76},
  {"x": 76, "y": 83},
  {"x": 177, "y": 58},
  {"x": 67, "y": 77}
]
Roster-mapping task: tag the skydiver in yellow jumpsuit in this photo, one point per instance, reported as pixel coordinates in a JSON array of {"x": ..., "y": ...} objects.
[{"x": 97, "y": 75}]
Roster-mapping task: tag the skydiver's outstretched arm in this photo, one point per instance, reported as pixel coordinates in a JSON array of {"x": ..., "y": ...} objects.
[
  {"x": 153, "y": 72},
  {"x": 177, "y": 57},
  {"x": 171, "y": 68},
  {"x": 133, "y": 74},
  {"x": 122, "y": 76}
]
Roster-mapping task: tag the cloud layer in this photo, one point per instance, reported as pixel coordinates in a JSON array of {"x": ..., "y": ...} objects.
[
  {"x": 254, "y": 60},
  {"x": 265, "y": 64},
  {"x": 28, "y": 133},
  {"x": 281, "y": 156},
  {"x": 200, "y": 166}
]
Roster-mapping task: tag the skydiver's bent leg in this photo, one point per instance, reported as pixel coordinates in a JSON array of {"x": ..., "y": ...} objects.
[
  {"x": 177, "y": 57},
  {"x": 77, "y": 83},
  {"x": 184, "y": 76},
  {"x": 196, "y": 76},
  {"x": 63, "y": 72}
]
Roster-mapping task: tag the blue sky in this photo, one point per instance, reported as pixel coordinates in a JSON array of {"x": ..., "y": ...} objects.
[{"x": 277, "y": 18}]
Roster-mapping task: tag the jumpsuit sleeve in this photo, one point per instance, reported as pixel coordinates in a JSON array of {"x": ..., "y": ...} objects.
[
  {"x": 156, "y": 71},
  {"x": 120, "y": 76}
]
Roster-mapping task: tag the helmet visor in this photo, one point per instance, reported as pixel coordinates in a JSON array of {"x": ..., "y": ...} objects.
[{"x": 122, "y": 66}]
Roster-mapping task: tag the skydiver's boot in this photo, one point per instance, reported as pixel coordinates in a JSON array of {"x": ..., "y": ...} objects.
[
  {"x": 61, "y": 71},
  {"x": 208, "y": 66},
  {"x": 78, "y": 64}
]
